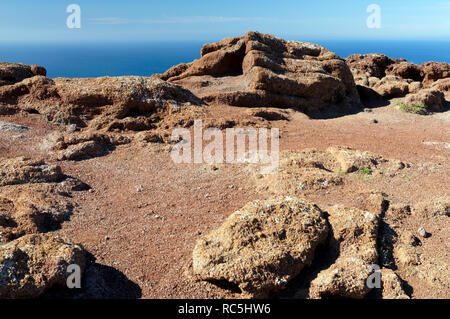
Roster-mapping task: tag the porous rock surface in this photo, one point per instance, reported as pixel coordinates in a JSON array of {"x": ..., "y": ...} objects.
[
  {"x": 22, "y": 170},
  {"x": 109, "y": 103},
  {"x": 377, "y": 75},
  {"x": 354, "y": 236},
  {"x": 312, "y": 169},
  {"x": 262, "y": 246},
  {"x": 33, "y": 263},
  {"x": 262, "y": 70}
]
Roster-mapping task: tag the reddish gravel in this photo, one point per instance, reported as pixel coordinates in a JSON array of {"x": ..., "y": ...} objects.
[{"x": 145, "y": 213}]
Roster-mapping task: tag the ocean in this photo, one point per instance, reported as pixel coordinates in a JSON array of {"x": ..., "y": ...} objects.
[{"x": 144, "y": 59}]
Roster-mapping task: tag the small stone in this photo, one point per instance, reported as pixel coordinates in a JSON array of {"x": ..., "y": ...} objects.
[
  {"x": 231, "y": 187},
  {"x": 71, "y": 128},
  {"x": 422, "y": 232},
  {"x": 375, "y": 121},
  {"x": 140, "y": 189},
  {"x": 207, "y": 196},
  {"x": 107, "y": 238}
]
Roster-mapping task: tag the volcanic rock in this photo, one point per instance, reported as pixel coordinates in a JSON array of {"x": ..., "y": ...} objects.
[
  {"x": 434, "y": 71},
  {"x": 377, "y": 75},
  {"x": 34, "y": 208},
  {"x": 432, "y": 99},
  {"x": 22, "y": 170},
  {"x": 11, "y": 73},
  {"x": 262, "y": 246},
  {"x": 311, "y": 169},
  {"x": 371, "y": 65},
  {"x": 406, "y": 70},
  {"x": 5, "y": 126},
  {"x": 109, "y": 103},
  {"x": 82, "y": 145},
  {"x": 34, "y": 263},
  {"x": 354, "y": 235},
  {"x": 264, "y": 71},
  {"x": 392, "y": 285}
]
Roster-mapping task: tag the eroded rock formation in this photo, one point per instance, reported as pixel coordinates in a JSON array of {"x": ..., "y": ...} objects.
[
  {"x": 262, "y": 70},
  {"x": 379, "y": 75},
  {"x": 34, "y": 263},
  {"x": 262, "y": 246}
]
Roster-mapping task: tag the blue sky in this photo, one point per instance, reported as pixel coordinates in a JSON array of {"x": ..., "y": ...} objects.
[{"x": 148, "y": 20}]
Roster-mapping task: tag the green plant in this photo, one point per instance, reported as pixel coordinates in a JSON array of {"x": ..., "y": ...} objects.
[
  {"x": 416, "y": 108},
  {"x": 365, "y": 171}
]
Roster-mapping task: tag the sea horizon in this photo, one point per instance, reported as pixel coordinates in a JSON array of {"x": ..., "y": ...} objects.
[{"x": 98, "y": 59}]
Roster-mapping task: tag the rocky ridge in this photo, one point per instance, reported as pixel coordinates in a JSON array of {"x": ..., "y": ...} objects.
[{"x": 263, "y": 247}]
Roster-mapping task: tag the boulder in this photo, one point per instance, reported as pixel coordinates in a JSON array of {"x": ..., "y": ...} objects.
[
  {"x": 392, "y": 86},
  {"x": 434, "y": 71},
  {"x": 406, "y": 70},
  {"x": 392, "y": 287},
  {"x": 312, "y": 169},
  {"x": 354, "y": 236},
  {"x": 371, "y": 65},
  {"x": 432, "y": 99},
  {"x": 34, "y": 263},
  {"x": 265, "y": 71},
  {"x": 34, "y": 208},
  {"x": 442, "y": 85},
  {"x": 406, "y": 250},
  {"x": 82, "y": 145},
  {"x": 377, "y": 75},
  {"x": 22, "y": 170},
  {"x": 11, "y": 73},
  {"x": 262, "y": 246},
  {"x": 111, "y": 103}
]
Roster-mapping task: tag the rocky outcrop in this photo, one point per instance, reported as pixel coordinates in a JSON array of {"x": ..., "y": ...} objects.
[
  {"x": 22, "y": 170},
  {"x": 354, "y": 236},
  {"x": 11, "y": 73},
  {"x": 262, "y": 246},
  {"x": 434, "y": 71},
  {"x": 312, "y": 169},
  {"x": 432, "y": 99},
  {"x": 392, "y": 287},
  {"x": 109, "y": 103},
  {"x": 379, "y": 75},
  {"x": 442, "y": 85},
  {"x": 34, "y": 208},
  {"x": 34, "y": 263},
  {"x": 437, "y": 207},
  {"x": 370, "y": 65},
  {"x": 261, "y": 70},
  {"x": 34, "y": 197},
  {"x": 82, "y": 145}
]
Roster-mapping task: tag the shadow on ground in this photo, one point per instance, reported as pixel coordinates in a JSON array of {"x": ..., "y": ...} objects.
[
  {"x": 99, "y": 282},
  {"x": 369, "y": 100}
]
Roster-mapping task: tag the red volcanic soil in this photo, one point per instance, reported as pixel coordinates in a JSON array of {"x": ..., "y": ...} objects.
[{"x": 144, "y": 213}]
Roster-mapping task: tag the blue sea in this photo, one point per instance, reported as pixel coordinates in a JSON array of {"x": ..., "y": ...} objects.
[{"x": 116, "y": 59}]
